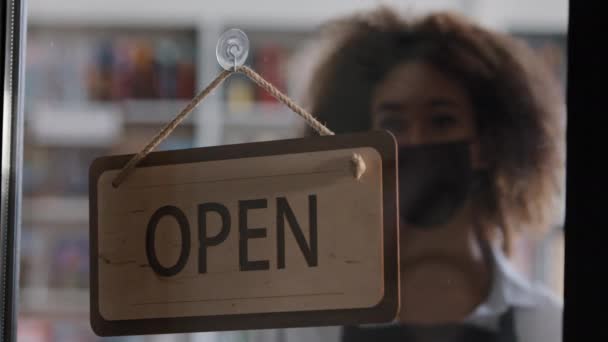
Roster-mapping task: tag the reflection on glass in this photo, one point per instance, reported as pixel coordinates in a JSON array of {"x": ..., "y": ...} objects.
[{"x": 98, "y": 85}]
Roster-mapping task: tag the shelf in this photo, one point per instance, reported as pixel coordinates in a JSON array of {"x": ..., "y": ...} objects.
[
  {"x": 263, "y": 115},
  {"x": 74, "y": 124},
  {"x": 56, "y": 210},
  {"x": 100, "y": 125},
  {"x": 45, "y": 301},
  {"x": 154, "y": 111},
  {"x": 97, "y": 124}
]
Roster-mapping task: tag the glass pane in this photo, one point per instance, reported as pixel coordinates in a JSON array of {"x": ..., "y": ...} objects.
[{"x": 102, "y": 79}]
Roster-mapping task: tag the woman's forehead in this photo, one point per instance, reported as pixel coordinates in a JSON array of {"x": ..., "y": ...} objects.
[{"x": 418, "y": 83}]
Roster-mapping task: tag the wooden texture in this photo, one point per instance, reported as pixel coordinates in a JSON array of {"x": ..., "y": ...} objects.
[{"x": 349, "y": 280}]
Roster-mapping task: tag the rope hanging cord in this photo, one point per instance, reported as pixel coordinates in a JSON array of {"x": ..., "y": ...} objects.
[
  {"x": 170, "y": 127},
  {"x": 310, "y": 120}
]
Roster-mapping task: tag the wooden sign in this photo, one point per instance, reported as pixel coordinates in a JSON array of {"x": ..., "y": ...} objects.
[{"x": 249, "y": 236}]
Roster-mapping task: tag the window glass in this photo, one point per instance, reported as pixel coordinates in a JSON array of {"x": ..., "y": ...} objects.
[{"x": 103, "y": 77}]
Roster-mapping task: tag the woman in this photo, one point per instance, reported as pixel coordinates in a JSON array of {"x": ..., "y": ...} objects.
[{"x": 480, "y": 125}]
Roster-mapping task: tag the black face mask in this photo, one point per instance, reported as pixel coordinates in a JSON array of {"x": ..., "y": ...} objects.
[{"x": 434, "y": 182}]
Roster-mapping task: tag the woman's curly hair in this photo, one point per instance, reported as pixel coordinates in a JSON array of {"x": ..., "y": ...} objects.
[{"x": 518, "y": 102}]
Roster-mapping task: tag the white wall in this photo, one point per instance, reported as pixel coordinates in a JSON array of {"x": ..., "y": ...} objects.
[{"x": 539, "y": 14}]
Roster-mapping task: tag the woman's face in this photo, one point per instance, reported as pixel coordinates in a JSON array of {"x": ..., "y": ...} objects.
[{"x": 419, "y": 105}]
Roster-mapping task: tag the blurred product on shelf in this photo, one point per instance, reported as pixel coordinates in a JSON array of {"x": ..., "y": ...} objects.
[
  {"x": 269, "y": 61},
  {"x": 57, "y": 171},
  {"x": 69, "y": 330},
  {"x": 240, "y": 94},
  {"x": 122, "y": 79},
  {"x": 145, "y": 80},
  {"x": 35, "y": 169},
  {"x": 41, "y": 330},
  {"x": 34, "y": 330},
  {"x": 29, "y": 261},
  {"x": 186, "y": 73},
  {"x": 167, "y": 53},
  {"x": 111, "y": 65},
  {"x": 100, "y": 87},
  {"x": 69, "y": 258}
]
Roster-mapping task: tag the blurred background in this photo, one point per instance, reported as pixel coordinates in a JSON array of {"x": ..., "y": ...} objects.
[{"x": 102, "y": 77}]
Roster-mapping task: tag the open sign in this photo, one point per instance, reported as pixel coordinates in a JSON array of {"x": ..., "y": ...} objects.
[
  {"x": 284, "y": 213},
  {"x": 262, "y": 235}
]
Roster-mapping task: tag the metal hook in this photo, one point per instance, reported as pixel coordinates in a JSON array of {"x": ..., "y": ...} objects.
[{"x": 232, "y": 53}]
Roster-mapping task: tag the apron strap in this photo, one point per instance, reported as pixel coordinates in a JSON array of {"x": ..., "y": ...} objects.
[
  {"x": 455, "y": 333},
  {"x": 507, "y": 327}
]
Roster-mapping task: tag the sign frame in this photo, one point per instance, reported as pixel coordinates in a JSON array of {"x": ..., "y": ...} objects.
[{"x": 382, "y": 141}]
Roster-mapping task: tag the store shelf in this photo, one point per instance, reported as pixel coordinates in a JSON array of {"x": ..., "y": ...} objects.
[
  {"x": 49, "y": 210},
  {"x": 133, "y": 110},
  {"x": 82, "y": 125},
  {"x": 269, "y": 115},
  {"x": 154, "y": 111},
  {"x": 98, "y": 124}
]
